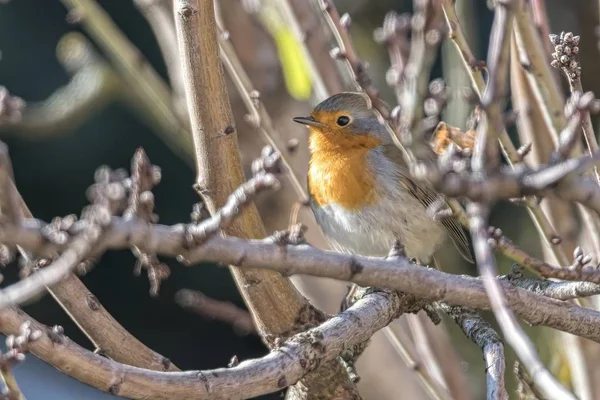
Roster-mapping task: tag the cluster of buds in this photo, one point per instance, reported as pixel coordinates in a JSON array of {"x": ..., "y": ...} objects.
[
  {"x": 16, "y": 345},
  {"x": 436, "y": 99},
  {"x": 565, "y": 54},
  {"x": 580, "y": 259},
  {"x": 269, "y": 162},
  {"x": 11, "y": 107}
]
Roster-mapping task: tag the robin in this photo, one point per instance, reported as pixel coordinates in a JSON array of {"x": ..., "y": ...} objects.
[{"x": 360, "y": 190}]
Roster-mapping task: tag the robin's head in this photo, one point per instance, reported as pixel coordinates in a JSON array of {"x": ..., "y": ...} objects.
[{"x": 344, "y": 121}]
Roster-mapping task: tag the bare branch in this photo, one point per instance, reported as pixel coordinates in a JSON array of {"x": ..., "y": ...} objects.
[
  {"x": 218, "y": 165},
  {"x": 502, "y": 310},
  {"x": 397, "y": 274},
  {"x": 483, "y": 335},
  {"x": 556, "y": 290},
  {"x": 159, "y": 14},
  {"x": 581, "y": 270},
  {"x": 284, "y": 366},
  {"x": 227, "y": 312}
]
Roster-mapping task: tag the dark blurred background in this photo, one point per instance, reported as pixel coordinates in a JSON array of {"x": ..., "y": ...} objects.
[{"x": 53, "y": 171}]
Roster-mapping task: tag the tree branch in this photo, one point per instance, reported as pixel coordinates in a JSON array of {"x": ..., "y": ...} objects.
[
  {"x": 284, "y": 366},
  {"x": 276, "y": 305},
  {"x": 218, "y": 165},
  {"x": 483, "y": 335},
  {"x": 105, "y": 333},
  {"x": 400, "y": 274}
]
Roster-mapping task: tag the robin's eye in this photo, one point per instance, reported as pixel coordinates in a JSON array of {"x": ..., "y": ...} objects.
[{"x": 343, "y": 120}]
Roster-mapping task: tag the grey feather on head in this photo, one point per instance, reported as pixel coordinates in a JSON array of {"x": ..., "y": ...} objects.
[{"x": 358, "y": 106}]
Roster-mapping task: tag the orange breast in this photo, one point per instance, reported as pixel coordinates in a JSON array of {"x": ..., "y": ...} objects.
[{"x": 340, "y": 174}]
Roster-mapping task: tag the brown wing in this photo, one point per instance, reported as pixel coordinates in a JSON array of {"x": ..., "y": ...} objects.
[{"x": 427, "y": 196}]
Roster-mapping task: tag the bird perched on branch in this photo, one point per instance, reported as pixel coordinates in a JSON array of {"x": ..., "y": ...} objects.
[{"x": 360, "y": 190}]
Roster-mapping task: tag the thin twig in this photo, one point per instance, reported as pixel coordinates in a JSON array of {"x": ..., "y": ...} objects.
[
  {"x": 159, "y": 14},
  {"x": 500, "y": 305},
  {"x": 257, "y": 114},
  {"x": 581, "y": 271},
  {"x": 227, "y": 312},
  {"x": 433, "y": 390},
  {"x": 345, "y": 51},
  {"x": 539, "y": 68}
]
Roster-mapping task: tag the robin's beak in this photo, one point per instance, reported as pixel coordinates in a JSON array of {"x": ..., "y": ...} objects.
[{"x": 311, "y": 121}]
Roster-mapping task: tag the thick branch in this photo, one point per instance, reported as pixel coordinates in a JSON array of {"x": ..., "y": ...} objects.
[
  {"x": 272, "y": 299},
  {"x": 284, "y": 366},
  {"x": 397, "y": 274}
]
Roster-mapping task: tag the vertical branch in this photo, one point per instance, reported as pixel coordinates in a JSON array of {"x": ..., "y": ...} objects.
[
  {"x": 493, "y": 98},
  {"x": 277, "y": 307},
  {"x": 566, "y": 58},
  {"x": 159, "y": 14},
  {"x": 272, "y": 299},
  {"x": 479, "y": 213},
  {"x": 483, "y": 335},
  {"x": 539, "y": 68}
]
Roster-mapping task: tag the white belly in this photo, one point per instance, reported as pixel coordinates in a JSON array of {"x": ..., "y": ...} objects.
[{"x": 373, "y": 230}]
